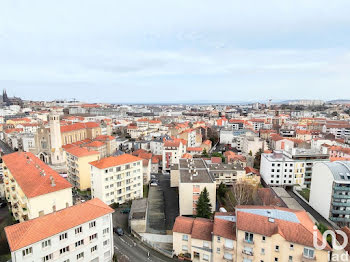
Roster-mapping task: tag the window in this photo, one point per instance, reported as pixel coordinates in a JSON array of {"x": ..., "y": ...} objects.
[
  {"x": 228, "y": 256},
  {"x": 63, "y": 236},
  {"x": 218, "y": 250},
  {"x": 105, "y": 243},
  {"x": 219, "y": 239},
  {"x": 205, "y": 257},
  {"x": 205, "y": 244},
  {"x": 277, "y": 248},
  {"x": 228, "y": 243},
  {"x": 290, "y": 259},
  {"x": 263, "y": 251},
  {"x": 93, "y": 249},
  {"x": 64, "y": 250},
  {"x": 47, "y": 258},
  {"x": 92, "y": 224},
  {"x": 263, "y": 238},
  {"x": 185, "y": 237},
  {"x": 276, "y": 259},
  {"x": 248, "y": 237},
  {"x": 291, "y": 246},
  {"x": 27, "y": 251},
  {"x": 79, "y": 243},
  {"x": 184, "y": 248},
  {"x": 106, "y": 230},
  {"x": 308, "y": 252},
  {"x": 46, "y": 243},
  {"x": 92, "y": 237},
  {"x": 78, "y": 230},
  {"x": 80, "y": 255}
]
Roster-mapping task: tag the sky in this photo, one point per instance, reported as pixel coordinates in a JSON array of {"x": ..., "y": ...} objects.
[{"x": 154, "y": 51}]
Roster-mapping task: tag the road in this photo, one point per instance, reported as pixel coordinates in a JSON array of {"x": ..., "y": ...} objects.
[
  {"x": 5, "y": 148},
  {"x": 130, "y": 249},
  {"x": 309, "y": 209}
]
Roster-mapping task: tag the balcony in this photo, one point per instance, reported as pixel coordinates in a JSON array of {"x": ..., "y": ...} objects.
[
  {"x": 228, "y": 248},
  {"x": 337, "y": 196},
  {"x": 307, "y": 259},
  {"x": 247, "y": 241},
  {"x": 340, "y": 204},
  {"x": 341, "y": 188},
  {"x": 248, "y": 252},
  {"x": 341, "y": 212}
]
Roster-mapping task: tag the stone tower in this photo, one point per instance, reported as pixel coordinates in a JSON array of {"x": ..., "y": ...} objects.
[{"x": 55, "y": 139}]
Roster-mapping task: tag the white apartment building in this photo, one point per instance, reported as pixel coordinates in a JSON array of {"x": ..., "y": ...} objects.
[
  {"x": 330, "y": 192},
  {"x": 290, "y": 167},
  {"x": 83, "y": 232},
  {"x": 172, "y": 152},
  {"x": 117, "y": 179},
  {"x": 339, "y": 130},
  {"x": 156, "y": 147}
]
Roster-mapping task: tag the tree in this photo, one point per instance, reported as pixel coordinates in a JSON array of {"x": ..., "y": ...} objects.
[
  {"x": 222, "y": 190},
  {"x": 203, "y": 204},
  {"x": 250, "y": 153},
  {"x": 205, "y": 153},
  {"x": 242, "y": 193},
  {"x": 257, "y": 159}
]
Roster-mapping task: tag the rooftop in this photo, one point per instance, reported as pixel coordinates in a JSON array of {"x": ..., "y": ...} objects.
[
  {"x": 29, "y": 232},
  {"x": 115, "y": 161}
]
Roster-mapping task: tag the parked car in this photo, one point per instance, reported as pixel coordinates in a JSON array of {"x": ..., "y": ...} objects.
[
  {"x": 153, "y": 183},
  {"x": 125, "y": 211},
  {"x": 119, "y": 231},
  {"x": 3, "y": 204}
]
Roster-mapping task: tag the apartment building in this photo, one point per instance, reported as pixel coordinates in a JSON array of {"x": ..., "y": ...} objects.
[
  {"x": 193, "y": 177},
  {"x": 117, "y": 179},
  {"x": 78, "y": 168},
  {"x": 83, "y": 232},
  {"x": 173, "y": 150},
  {"x": 338, "y": 128},
  {"x": 330, "y": 192},
  {"x": 251, "y": 234},
  {"x": 227, "y": 174},
  {"x": 290, "y": 167},
  {"x": 32, "y": 188}
]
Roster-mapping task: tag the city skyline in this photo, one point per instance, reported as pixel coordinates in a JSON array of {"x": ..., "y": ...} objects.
[{"x": 233, "y": 51}]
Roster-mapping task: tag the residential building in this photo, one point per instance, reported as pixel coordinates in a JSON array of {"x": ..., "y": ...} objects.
[
  {"x": 83, "y": 232},
  {"x": 290, "y": 167},
  {"x": 193, "y": 178},
  {"x": 251, "y": 234},
  {"x": 117, "y": 179},
  {"x": 32, "y": 188},
  {"x": 330, "y": 192},
  {"x": 78, "y": 168},
  {"x": 173, "y": 150}
]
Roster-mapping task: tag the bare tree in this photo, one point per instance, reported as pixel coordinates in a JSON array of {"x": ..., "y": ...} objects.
[{"x": 242, "y": 193}]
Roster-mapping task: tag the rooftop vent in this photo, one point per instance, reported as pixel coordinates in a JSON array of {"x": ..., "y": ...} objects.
[
  {"x": 53, "y": 184},
  {"x": 42, "y": 173}
]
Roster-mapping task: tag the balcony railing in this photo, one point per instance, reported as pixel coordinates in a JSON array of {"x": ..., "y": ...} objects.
[
  {"x": 340, "y": 204},
  {"x": 341, "y": 188},
  {"x": 248, "y": 252}
]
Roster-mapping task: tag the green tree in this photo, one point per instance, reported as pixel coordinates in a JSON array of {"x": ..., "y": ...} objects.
[
  {"x": 203, "y": 204},
  {"x": 250, "y": 153},
  {"x": 205, "y": 153},
  {"x": 222, "y": 190},
  {"x": 257, "y": 159}
]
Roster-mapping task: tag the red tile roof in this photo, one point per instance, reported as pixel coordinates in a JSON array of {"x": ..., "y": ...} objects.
[
  {"x": 224, "y": 228},
  {"x": 105, "y": 138},
  {"x": 78, "y": 126},
  {"x": 26, "y": 169},
  {"x": 114, "y": 161},
  {"x": 81, "y": 151},
  {"x": 29, "y": 232},
  {"x": 95, "y": 144},
  {"x": 199, "y": 228}
]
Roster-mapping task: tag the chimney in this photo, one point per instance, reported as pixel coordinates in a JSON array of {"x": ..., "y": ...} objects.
[{"x": 53, "y": 184}]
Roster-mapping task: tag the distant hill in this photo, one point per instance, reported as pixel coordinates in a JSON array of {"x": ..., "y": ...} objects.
[{"x": 339, "y": 101}]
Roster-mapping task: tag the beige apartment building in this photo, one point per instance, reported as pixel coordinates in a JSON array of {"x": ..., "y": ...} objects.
[
  {"x": 79, "y": 170},
  {"x": 117, "y": 179},
  {"x": 32, "y": 188},
  {"x": 251, "y": 234},
  {"x": 193, "y": 178}
]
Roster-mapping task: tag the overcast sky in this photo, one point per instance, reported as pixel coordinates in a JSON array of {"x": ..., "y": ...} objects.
[{"x": 179, "y": 50}]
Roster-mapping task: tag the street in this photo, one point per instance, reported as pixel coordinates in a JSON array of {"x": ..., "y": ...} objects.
[
  {"x": 128, "y": 248},
  {"x": 5, "y": 149}
]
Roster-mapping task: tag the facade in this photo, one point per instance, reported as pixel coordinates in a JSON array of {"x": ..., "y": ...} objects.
[
  {"x": 117, "y": 179},
  {"x": 32, "y": 188},
  {"x": 251, "y": 234},
  {"x": 172, "y": 152},
  {"x": 290, "y": 167},
  {"x": 83, "y": 232},
  {"x": 330, "y": 192},
  {"x": 78, "y": 168}
]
